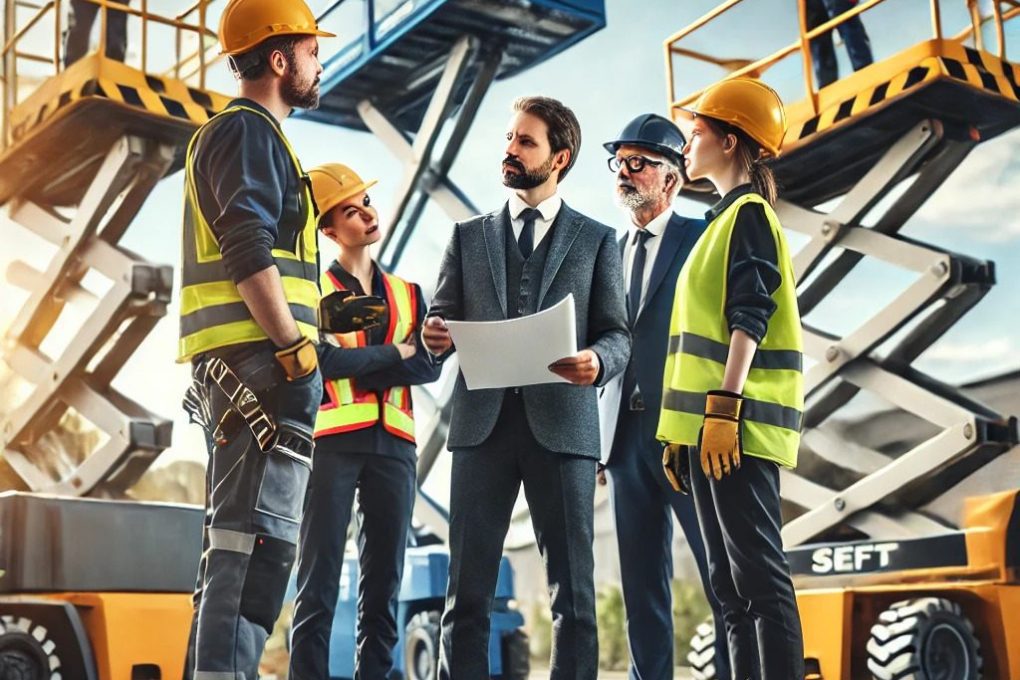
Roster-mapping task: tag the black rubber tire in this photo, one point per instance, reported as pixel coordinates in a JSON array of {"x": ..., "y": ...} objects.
[
  {"x": 26, "y": 652},
  {"x": 926, "y": 638},
  {"x": 516, "y": 656},
  {"x": 421, "y": 646},
  {"x": 702, "y": 654}
]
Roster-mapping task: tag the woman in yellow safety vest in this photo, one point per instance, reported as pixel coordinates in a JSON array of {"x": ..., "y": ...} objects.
[
  {"x": 733, "y": 392},
  {"x": 364, "y": 441}
]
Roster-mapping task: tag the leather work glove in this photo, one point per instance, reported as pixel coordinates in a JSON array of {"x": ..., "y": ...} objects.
[
  {"x": 720, "y": 433},
  {"x": 298, "y": 360},
  {"x": 344, "y": 312},
  {"x": 677, "y": 466}
]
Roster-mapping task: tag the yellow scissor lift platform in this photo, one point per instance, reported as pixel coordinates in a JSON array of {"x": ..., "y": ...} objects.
[
  {"x": 107, "y": 99},
  {"x": 92, "y": 586},
  {"x": 887, "y": 587},
  {"x": 826, "y": 152},
  {"x": 75, "y": 116}
]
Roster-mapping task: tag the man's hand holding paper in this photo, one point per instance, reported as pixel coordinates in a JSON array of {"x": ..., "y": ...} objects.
[
  {"x": 436, "y": 336},
  {"x": 580, "y": 369},
  {"x": 528, "y": 350}
]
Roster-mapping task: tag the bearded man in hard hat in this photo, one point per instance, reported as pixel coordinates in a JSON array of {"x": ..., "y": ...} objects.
[
  {"x": 249, "y": 301},
  {"x": 647, "y": 162},
  {"x": 364, "y": 442}
]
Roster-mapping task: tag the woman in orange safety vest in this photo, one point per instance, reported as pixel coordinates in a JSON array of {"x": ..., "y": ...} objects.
[{"x": 364, "y": 441}]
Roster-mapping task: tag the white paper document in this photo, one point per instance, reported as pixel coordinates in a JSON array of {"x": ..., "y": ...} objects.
[{"x": 515, "y": 352}]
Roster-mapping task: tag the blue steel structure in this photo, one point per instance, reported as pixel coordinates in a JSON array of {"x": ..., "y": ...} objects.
[
  {"x": 417, "y": 65},
  {"x": 398, "y": 58}
]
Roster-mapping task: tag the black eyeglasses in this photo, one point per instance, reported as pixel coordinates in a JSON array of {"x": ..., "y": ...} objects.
[{"x": 634, "y": 163}]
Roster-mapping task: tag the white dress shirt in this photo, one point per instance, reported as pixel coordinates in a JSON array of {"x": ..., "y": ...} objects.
[
  {"x": 657, "y": 227},
  {"x": 549, "y": 208}
]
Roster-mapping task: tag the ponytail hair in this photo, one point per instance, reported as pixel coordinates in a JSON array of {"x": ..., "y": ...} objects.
[
  {"x": 764, "y": 180},
  {"x": 752, "y": 158}
]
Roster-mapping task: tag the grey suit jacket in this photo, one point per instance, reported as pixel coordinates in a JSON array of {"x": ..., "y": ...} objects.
[{"x": 583, "y": 259}]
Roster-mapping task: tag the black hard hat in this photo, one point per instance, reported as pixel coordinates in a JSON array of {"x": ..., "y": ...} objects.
[{"x": 653, "y": 132}]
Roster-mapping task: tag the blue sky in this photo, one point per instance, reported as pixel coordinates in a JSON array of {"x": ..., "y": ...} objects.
[{"x": 607, "y": 79}]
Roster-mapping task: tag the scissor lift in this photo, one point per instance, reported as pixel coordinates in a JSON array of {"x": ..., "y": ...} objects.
[
  {"x": 887, "y": 589},
  {"x": 80, "y": 154}
]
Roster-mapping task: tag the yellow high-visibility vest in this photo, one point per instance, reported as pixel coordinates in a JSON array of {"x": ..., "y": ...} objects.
[
  {"x": 349, "y": 408},
  {"x": 699, "y": 345},
  {"x": 213, "y": 314}
]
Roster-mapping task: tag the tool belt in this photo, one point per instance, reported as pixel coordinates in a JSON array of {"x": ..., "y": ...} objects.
[{"x": 245, "y": 407}]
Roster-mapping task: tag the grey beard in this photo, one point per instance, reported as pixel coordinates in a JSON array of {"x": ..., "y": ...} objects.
[{"x": 633, "y": 199}]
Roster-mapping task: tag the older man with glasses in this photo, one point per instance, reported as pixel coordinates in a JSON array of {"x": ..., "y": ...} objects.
[{"x": 648, "y": 165}]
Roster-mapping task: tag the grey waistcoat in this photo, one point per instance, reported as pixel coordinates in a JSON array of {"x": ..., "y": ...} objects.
[{"x": 524, "y": 278}]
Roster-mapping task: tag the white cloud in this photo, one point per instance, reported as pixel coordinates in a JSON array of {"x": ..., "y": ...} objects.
[
  {"x": 981, "y": 197},
  {"x": 986, "y": 351},
  {"x": 967, "y": 360}
]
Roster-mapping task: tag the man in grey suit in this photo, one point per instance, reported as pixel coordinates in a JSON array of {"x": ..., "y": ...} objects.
[{"x": 527, "y": 256}]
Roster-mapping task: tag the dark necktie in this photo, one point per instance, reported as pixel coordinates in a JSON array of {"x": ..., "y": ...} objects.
[
  {"x": 637, "y": 271},
  {"x": 526, "y": 241}
]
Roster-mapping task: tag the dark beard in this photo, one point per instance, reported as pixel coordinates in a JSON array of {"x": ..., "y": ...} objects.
[
  {"x": 526, "y": 179},
  {"x": 296, "y": 97}
]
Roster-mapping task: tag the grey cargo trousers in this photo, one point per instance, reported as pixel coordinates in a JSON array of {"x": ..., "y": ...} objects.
[{"x": 253, "y": 511}]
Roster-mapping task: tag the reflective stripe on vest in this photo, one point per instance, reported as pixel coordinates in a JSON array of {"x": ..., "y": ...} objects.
[
  {"x": 348, "y": 407},
  {"x": 213, "y": 314},
  {"x": 699, "y": 346}
]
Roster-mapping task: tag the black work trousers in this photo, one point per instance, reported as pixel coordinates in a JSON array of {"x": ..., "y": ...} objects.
[
  {"x": 80, "y": 20},
  {"x": 740, "y": 522},
  {"x": 385, "y": 488},
  {"x": 823, "y": 52},
  {"x": 253, "y": 510},
  {"x": 560, "y": 489}
]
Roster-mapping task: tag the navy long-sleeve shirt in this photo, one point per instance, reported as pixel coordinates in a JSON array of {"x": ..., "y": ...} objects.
[
  {"x": 376, "y": 367},
  {"x": 248, "y": 189},
  {"x": 753, "y": 274}
]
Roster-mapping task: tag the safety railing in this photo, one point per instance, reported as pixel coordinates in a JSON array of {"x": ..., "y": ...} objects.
[
  {"x": 368, "y": 22},
  {"x": 18, "y": 30},
  {"x": 972, "y": 33}
]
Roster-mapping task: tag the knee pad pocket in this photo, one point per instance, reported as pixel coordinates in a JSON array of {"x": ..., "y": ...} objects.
[{"x": 265, "y": 583}]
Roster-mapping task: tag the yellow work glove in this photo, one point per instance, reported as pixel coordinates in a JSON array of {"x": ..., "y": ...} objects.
[
  {"x": 720, "y": 433},
  {"x": 299, "y": 359},
  {"x": 677, "y": 467}
]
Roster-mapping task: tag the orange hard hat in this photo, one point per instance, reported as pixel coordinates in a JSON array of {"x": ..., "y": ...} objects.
[
  {"x": 748, "y": 104},
  {"x": 334, "y": 183},
  {"x": 246, "y": 23}
]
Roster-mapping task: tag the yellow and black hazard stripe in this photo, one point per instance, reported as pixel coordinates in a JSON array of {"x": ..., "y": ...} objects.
[
  {"x": 954, "y": 61},
  {"x": 165, "y": 97}
]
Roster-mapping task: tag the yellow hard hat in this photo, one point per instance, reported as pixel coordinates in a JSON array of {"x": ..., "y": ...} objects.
[
  {"x": 747, "y": 103},
  {"x": 246, "y": 23},
  {"x": 334, "y": 183}
]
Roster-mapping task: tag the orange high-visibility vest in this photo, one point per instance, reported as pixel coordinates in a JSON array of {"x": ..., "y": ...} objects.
[{"x": 349, "y": 408}]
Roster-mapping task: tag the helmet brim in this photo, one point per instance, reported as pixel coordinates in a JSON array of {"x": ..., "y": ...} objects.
[
  {"x": 249, "y": 47},
  {"x": 662, "y": 150},
  {"x": 334, "y": 201}
]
